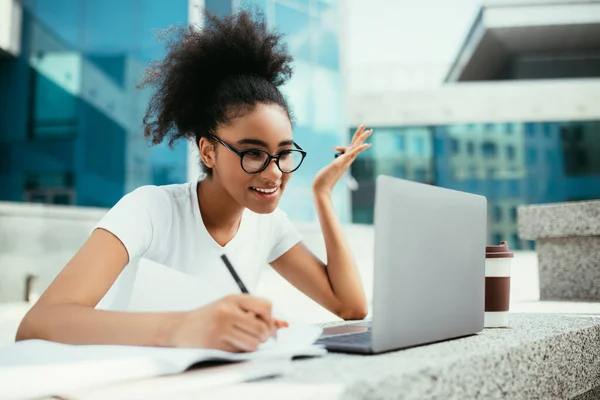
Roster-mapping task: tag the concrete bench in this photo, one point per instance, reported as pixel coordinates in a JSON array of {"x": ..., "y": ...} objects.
[
  {"x": 541, "y": 356},
  {"x": 538, "y": 357},
  {"x": 567, "y": 239}
]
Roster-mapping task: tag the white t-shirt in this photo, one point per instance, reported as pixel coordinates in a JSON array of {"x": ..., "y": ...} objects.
[{"x": 163, "y": 224}]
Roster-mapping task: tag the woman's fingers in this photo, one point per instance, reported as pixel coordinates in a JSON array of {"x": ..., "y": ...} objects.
[
  {"x": 357, "y": 145},
  {"x": 365, "y": 135},
  {"x": 253, "y": 326},
  {"x": 359, "y": 137},
  {"x": 257, "y": 306},
  {"x": 280, "y": 324},
  {"x": 357, "y": 150},
  {"x": 357, "y": 134},
  {"x": 241, "y": 341}
]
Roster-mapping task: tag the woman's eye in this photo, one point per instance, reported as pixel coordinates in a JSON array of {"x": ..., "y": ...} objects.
[{"x": 254, "y": 154}]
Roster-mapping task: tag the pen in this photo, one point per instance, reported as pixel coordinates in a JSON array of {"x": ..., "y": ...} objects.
[
  {"x": 234, "y": 274},
  {"x": 237, "y": 279}
]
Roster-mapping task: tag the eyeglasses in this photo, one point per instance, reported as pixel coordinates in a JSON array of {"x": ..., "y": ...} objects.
[{"x": 254, "y": 161}]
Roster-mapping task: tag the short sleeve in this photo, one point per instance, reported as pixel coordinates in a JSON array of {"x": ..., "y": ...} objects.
[
  {"x": 135, "y": 218},
  {"x": 285, "y": 235}
]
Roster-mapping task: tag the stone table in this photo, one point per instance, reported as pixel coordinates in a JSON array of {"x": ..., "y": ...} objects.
[
  {"x": 541, "y": 356},
  {"x": 567, "y": 239}
]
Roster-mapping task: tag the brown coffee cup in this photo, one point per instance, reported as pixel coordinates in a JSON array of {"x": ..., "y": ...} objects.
[{"x": 498, "y": 260}]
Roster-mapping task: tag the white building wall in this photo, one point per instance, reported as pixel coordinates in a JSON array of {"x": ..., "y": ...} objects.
[
  {"x": 508, "y": 101},
  {"x": 11, "y": 15}
]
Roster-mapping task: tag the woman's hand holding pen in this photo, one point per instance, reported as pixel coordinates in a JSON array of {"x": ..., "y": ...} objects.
[{"x": 236, "y": 323}]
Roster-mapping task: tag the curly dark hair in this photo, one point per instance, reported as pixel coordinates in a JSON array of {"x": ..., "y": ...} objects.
[{"x": 211, "y": 75}]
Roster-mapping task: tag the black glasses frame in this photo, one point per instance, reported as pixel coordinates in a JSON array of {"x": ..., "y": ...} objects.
[{"x": 242, "y": 153}]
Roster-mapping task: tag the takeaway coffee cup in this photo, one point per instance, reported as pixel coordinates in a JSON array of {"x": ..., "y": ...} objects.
[{"x": 498, "y": 260}]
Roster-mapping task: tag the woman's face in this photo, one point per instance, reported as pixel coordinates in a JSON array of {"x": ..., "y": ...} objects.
[{"x": 267, "y": 128}]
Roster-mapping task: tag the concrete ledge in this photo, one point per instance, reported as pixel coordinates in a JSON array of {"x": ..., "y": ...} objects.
[
  {"x": 539, "y": 357},
  {"x": 39, "y": 240},
  {"x": 9, "y": 209},
  {"x": 569, "y": 268},
  {"x": 567, "y": 236},
  {"x": 559, "y": 220}
]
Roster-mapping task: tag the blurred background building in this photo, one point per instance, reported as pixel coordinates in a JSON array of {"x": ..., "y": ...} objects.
[{"x": 515, "y": 116}]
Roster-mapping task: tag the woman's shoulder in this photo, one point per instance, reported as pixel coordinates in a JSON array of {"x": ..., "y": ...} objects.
[{"x": 160, "y": 195}]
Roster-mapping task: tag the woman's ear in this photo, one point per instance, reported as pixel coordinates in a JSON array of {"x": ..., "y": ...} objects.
[{"x": 207, "y": 152}]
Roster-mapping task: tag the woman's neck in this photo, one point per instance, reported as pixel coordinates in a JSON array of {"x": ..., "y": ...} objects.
[{"x": 220, "y": 212}]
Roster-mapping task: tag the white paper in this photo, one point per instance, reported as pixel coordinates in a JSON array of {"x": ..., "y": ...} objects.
[
  {"x": 35, "y": 381},
  {"x": 56, "y": 367},
  {"x": 194, "y": 382},
  {"x": 296, "y": 337},
  {"x": 266, "y": 390}
]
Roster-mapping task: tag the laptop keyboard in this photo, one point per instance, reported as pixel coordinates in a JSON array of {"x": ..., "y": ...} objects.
[{"x": 363, "y": 338}]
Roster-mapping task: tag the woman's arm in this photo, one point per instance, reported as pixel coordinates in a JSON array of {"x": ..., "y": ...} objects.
[
  {"x": 65, "y": 312},
  {"x": 336, "y": 285}
]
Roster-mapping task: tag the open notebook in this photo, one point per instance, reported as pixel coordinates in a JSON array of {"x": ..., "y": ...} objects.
[{"x": 36, "y": 368}]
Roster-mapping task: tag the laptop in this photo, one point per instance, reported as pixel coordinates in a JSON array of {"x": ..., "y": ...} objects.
[{"x": 429, "y": 269}]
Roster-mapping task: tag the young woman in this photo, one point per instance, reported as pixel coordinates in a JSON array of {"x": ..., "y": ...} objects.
[{"x": 219, "y": 88}]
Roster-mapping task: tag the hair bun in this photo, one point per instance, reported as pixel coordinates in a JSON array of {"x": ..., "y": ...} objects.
[
  {"x": 231, "y": 60},
  {"x": 241, "y": 44},
  {"x": 228, "y": 47}
]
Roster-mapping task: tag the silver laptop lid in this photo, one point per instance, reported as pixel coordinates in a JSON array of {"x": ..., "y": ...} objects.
[{"x": 429, "y": 266}]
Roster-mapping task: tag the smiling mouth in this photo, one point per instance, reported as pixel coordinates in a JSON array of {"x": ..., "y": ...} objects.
[
  {"x": 265, "y": 190},
  {"x": 268, "y": 194}
]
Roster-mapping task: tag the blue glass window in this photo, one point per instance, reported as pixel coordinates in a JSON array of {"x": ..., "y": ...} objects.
[
  {"x": 497, "y": 213},
  {"x": 515, "y": 241},
  {"x": 220, "y": 8},
  {"x": 420, "y": 174},
  {"x": 548, "y": 129},
  {"x": 489, "y": 149},
  {"x": 438, "y": 144},
  {"x": 400, "y": 142},
  {"x": 513, "y": 213},
  {"x": 497, "y": 239},
  {"x": 531, "y": 155},
  {"x": 510, "y": 152},
  {"x": 470, "y": 148},
  {"x": 294, "y": 24},
  {"x": 455, "y": 146},
  {"x": 419, "y": 146},
  {"x": 400, "y": 171},
  {"x": 60, "y": 19}
]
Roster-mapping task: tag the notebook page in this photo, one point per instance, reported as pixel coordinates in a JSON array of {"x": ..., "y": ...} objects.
[
  {"x": 195, "y": 382},
  {"x": 58, "y": 367}
]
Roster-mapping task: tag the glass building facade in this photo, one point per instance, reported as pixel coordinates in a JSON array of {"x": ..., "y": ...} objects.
[
  {"x": 71, "y": 113},
  {"x": 510, "y": 163}
]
